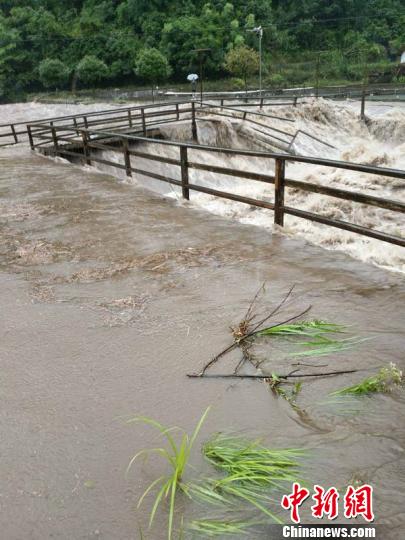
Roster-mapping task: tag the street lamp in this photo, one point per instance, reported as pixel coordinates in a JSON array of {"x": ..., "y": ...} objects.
[
  {"x": 259, "y": 31},
  {"x": 200, "y": 53}
]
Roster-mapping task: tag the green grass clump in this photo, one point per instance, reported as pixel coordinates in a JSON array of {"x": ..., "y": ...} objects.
[
  {"x": 304, "y": 328},
  {"x": 251, "y": 460},
  {"x": 382, "y": 382},
  {"x": 251, "y": 470},
  {"x": 210, "y": 528},
  {"x": 251, "y": 473},
  {"x": 177, "y": 456},
  {"x": 321, "y": 342}
]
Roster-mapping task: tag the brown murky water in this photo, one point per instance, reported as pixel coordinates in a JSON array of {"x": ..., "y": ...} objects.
[{"x": 110, "y": 295}]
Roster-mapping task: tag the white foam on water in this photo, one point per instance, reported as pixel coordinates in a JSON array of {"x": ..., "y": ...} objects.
[{"x": 380, "y": 141}]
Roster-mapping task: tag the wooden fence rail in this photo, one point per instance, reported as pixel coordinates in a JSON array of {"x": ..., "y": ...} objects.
[
  {"x": 77, "y": 143},
  {"x": 17, "y": 132}
]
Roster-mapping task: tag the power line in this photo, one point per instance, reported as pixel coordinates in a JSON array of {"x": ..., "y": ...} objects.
[
  {"x": 266, "y": 25},
  {"x": 324, "y": 21}
]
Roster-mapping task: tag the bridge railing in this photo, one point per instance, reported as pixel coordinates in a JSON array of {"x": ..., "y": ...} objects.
[
  {"x": 17, "y": 132},
  {"x": 89, "y": 142}
]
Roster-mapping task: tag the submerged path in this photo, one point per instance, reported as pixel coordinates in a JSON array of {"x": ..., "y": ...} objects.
[{"x": 110, "y": 295}]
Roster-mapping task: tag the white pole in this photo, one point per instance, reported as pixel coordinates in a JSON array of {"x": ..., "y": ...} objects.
[{"x": 260, "y": 59}]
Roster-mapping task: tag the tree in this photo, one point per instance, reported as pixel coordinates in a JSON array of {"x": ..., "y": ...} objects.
[
  {"x": 91, "y": 70},
  {"x": 120, "y": 53},
  {"x": 243, "y": 62},
  {"x": 53, "y": 73},
  {"x": 113, "y": 32},
  {"x": 152, "y": 66}
]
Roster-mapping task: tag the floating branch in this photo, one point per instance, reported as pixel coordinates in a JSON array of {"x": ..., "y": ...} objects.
[
  {"x": 264, "y": 377},
  {"x": 243, "y": 331}
]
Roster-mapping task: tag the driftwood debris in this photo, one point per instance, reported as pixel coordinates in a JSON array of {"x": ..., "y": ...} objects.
[
  {"x": 246, "y": 329},
  {"x": 266, "y": 377},
  {"x": 252, "y": 326}
]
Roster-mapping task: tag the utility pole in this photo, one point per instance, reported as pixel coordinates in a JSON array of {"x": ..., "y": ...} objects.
[
  {"x": 259, "y": 31},
  {"x": 200, "y": 53},
  {"x": 318, "y": 61}
]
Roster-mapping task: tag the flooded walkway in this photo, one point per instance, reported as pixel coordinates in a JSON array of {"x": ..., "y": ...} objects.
[{"x": 110, "y": 295}]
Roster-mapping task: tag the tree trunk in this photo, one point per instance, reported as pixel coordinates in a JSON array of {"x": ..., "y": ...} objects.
[{"x": 74, "y": 83}]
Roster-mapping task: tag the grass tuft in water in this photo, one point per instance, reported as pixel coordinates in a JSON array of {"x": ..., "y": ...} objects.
[
  {"x": 320, "y": 342},
  {"x": 177, "y": 456},
  {"x": 252, "y": 472},
  {"x": 250, "y": 459},
  {"x": 209, "y": 528},
  {"x": 303, "y": 328},
  {"x": 384, "y": 381}
]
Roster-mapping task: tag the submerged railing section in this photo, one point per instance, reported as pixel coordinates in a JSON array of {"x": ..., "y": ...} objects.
[
  {"x": 82, "y": 138},
  {"x": 123, "y": 117}
]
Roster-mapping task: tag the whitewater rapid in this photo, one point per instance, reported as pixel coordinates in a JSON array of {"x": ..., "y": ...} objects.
[{"x": 380, "y": 141}]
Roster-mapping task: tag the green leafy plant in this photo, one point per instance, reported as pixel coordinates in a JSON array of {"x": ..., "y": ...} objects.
[
  {"x": 320, "y": 343},
  {"x": 384, "y": 381},
  {"x": 252, "y": 471},
  {"x": 290, "y": 397},
  {"x": 177, "y": 456},
  {"x": 304, "y": 328},
  {"x": 250, "y": 459}
]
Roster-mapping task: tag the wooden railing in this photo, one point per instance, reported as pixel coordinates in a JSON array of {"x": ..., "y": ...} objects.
[
  {"x": 84, "y": 143},
  {"x": 123, "y": 117},
  {"x": 140, "y": 119}
]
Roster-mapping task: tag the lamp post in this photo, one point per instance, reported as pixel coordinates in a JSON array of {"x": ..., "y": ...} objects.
[
  {"x": 200, "y": 53},
  {"x": 259, "y": 31}
]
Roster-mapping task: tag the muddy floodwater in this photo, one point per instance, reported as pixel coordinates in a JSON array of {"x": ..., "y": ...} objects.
[{"x": 111, "y": 294}]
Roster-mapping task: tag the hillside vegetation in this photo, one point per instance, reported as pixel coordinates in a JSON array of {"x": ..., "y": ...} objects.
[{"x": 53, "y": 44}]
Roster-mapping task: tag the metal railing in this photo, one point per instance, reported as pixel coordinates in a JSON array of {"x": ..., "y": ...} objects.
[{"x": 84, "y": 143}]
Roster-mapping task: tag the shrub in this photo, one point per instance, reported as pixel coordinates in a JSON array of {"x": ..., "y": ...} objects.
[
  {"x": 53, "y": 73},
  {"x": 91, "y": 70},
  {"x": 242, "y": 61}
]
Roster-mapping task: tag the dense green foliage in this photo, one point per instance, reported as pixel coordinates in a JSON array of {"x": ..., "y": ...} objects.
[
  {"x": 53, "y": 73},
  {"x": 340, "y": 36},
  {"x": 90, "y": 69}
]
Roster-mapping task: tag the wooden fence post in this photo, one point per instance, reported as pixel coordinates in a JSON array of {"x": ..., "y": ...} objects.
[
  {"x": 184, "y": 173},
  {"x": 129, "y": 118},
  {"x": 14, "y": 133},
  {"x": 86, "y": 125},
  {"x": 143, "y": 122},
  {"x": 295, "y": 101},
  {"x": 279, "y": 185},
  {"x": 30, "y": 137},
  {"x": 193, "y": 122},
  {"x": 86, "y": 150},
  {"x": 177, "y": 112},
  {"x": 363, "y": 104},
  {"x": 55, "y": 141},
  {"x": 127, "y": 157}
]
